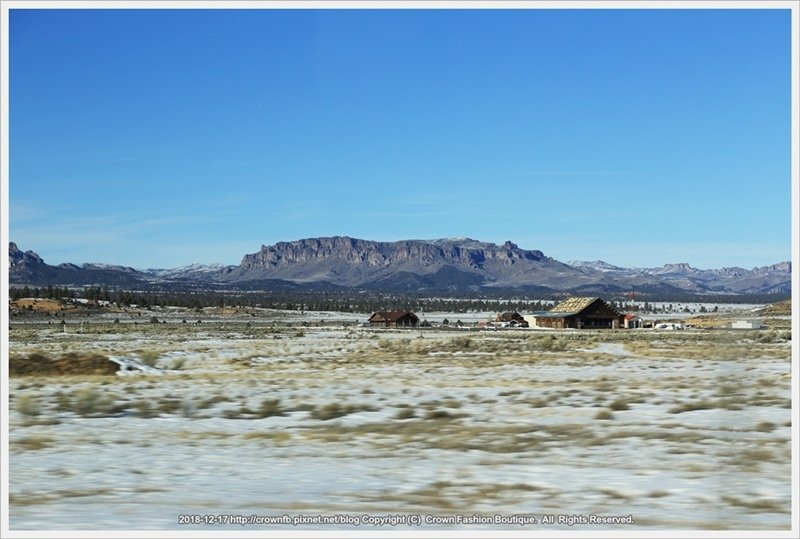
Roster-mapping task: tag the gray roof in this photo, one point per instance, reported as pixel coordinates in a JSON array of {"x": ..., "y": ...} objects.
[{"x": 551, "y": 314}]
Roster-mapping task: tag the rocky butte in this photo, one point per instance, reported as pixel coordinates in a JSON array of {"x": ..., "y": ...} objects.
[
  {"x": 410, "y": 266},
  {"x": 349, "y": 261}
]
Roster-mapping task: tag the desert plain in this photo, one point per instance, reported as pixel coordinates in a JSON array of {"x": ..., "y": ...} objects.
[{"x": 244, "y": 417}]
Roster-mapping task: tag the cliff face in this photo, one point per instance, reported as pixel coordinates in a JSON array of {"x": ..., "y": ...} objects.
[
  {"x": 17, "y": 258},
  {"x": 382, "y": 254},
  {"x": 352, "y": 262},
  {"x": 410, "y": 266}
]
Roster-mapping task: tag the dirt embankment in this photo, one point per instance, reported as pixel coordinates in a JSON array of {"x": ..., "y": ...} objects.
[
  {"x": 40, "y": 305},
  {"x": 781, "y": 308},
  {"x": 68, "y": 364}
]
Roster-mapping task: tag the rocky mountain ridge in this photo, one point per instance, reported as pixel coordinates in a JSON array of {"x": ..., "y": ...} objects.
[
  {"x": 410, "y": 266},
  {"x": 346, "y": 261}
]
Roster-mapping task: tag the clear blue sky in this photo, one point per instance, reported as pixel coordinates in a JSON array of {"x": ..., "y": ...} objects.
[{"x": 160, "y": 138}]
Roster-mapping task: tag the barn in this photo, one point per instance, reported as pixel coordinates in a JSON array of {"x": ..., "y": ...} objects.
[
  {"x": 580, "y": 313},
  {"x": 394, "y": 319},
  {"x": 513, "y": 319}
]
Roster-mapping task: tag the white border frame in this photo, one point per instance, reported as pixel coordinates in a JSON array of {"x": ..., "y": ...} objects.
[{"x": 6, "y": 5}]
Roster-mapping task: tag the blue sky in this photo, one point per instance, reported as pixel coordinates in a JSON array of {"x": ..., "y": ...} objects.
[{"x": 156, "y": 138}]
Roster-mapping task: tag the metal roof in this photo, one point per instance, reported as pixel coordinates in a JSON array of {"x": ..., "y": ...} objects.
[
  {"x": 390, "y": 316},
  {"x": 571, "y": 306}
]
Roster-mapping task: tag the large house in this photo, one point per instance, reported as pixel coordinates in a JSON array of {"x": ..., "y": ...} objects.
[
  {"x": 393, "y": 319},
  {"x": 580, "y": 313}
]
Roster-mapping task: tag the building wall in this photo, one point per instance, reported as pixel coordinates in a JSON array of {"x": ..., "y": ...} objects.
[
  {"x": 746, "y": 324},
  {"x": 633, "y": 323},
  {"x": 579, "y": 322},
  {"x": 555, "y": 323},
  {"x": 405, "y": 321}
]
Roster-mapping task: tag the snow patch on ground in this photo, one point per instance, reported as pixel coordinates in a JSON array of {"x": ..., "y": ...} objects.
[{"x": 691, "y": 442}]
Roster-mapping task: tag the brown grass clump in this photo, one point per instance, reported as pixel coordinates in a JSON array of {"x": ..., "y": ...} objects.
[
  {"x": 28, "y": 405},
  {"x": 439, "y": 414},
  {"x": 144, "y": 408},
  {"x": 619, "y": 404},
  {"x": 692, "y": 406},
  {"x": 149, "y": 357},
  {"x": 405, "y": 413},
  {"x": 781, "y": 308},
  {"x": 40, "y": 305},
  {"x": 279, "y": 437},
  {"x": 765, "y": 426},
  {"x": 334, "y": 410},
  {"x": 88, "y": 402},
  {"x": 269, "y": 408},
  {"x": 758, "y": 505},
  {"x": 169, "y": 404},
  {"x": 69, "y": 364},
  {"x": 33, "y": 443}
]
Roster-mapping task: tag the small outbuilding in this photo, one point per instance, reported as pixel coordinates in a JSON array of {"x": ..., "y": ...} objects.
[
  {"x": 632, "y": 321},
  {"x": 747, "y": 324},
  {"x": 580, "y": 313},
  {"x": 669, "y": 326},
  {"x": 393, "y": 319}
]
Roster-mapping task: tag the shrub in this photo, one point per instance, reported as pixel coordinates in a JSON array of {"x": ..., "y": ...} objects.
[
  {"x": 439, "y": 414},
  {"x": 28, "y": 405},
  {"x": 144, "y": 408},
  {"x": 279, "y": 437},
  {"x": 88, "y": 402},
  {"x": 451, "y": 403},
  {"x": 619, "y": 404},
  {"x": 765, "y": 426},
  {"x": 551, "y": 342},
  {"x": 170, "y": 405},
  {"x": 63, "y": 402},
  {"x": 405, "y": 413},
  {"x": 690, "y": 407},
  {"x": 604, "y": 415},
  {"x": 178, "y": 363},
  {"x": 189, "y": 408},
  {"x": 269, "y": 408},
  {"x": 211, "y": 401},
  {"x": 149, "y": 357},
  {"x": 334, "y": 410},
  {"x": 329, "y": 411},
  {"x": 231, "y": 414},
  {"x": 461, "y": 343},
  {"x": 33, "y": 443}
]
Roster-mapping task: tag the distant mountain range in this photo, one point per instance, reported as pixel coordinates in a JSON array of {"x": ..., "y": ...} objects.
[{"x": 420, "y": 266}]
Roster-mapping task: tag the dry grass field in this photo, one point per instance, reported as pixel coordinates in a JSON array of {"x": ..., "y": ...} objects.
[
  {"x": 680, "y": 430},
  {"x": 41, "y": 305}
]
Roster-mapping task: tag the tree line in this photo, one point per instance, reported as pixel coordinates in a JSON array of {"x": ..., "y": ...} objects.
[
  {"x": 298, "y": 301},
  {"x": 343, "y": 301}
]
